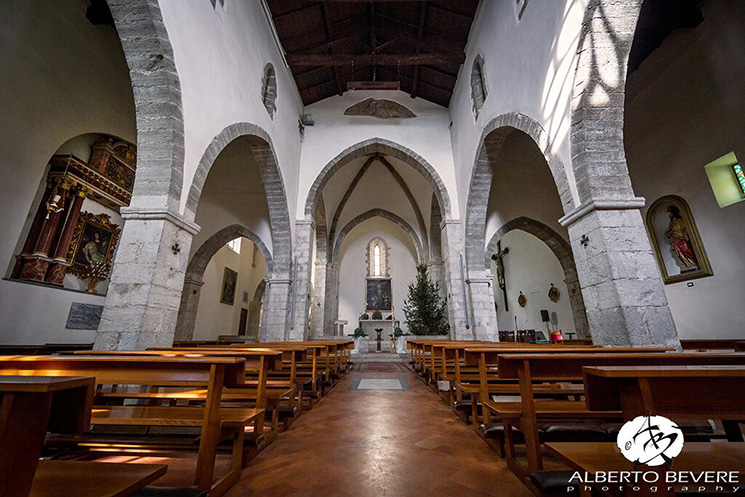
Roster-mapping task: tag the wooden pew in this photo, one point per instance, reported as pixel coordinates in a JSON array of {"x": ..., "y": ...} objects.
[
  {"x": 29, "y": 407},
  {"x": 211, "y": 373},
  {"x": 479, "y": 379},
  {"x": 666, "y": 390},
  {"x": 92, "y": 479},
  {"x": 704, "y": 344},
  {"x": 529, "y": 368},
  {"x": 257, "y": 391}
]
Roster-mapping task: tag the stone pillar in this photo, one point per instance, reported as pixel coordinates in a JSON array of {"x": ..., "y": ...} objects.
[
  {"x": 254, "y": 318},
  {"x": 302, "y": 272},
  {"x": 276, "y": 309},
  {"x": 578, "y": 307},
  {"x": 453, "y": 264},
  {"x": 435, "y": 269},
  {"x": 331, "y": 299},
  {"x": 483, "y": 312},
  {"x": 147, "y": 280},
  {"x": 187, "y": 315},
  {"x": 621, "y": 284},
  {"x": 318, "y": 306}
]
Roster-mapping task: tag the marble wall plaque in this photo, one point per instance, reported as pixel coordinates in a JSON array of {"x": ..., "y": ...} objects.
[{"x": 84, "y": 316}]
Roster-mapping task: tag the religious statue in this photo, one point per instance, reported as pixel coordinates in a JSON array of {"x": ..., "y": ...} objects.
[
  {"x": 498, "y": 258},
  {"x": 680, "y": 244}
]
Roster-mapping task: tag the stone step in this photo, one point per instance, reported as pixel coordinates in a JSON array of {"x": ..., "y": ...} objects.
[{"x": 380, "y": 357}]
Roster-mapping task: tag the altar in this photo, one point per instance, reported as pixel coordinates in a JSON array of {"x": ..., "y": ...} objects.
[{"x": 379, "y": 333}]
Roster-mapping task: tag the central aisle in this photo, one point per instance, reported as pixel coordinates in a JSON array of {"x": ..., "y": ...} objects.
[{"x": 366, "y": 442}]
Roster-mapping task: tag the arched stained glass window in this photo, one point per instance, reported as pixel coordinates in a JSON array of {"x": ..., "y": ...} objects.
[{"x": 377, "y": 259}]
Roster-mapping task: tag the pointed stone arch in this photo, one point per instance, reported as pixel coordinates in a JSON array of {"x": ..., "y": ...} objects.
[
  {"x": 482, "y": 310},
  {"x": 563, "y": 252},
  {"x": 276, "y": 195},
  {"x": 382, "y": 147},
  {"x": 195, "y": 271},
  {"x": 395, "y": 219},
  {"x": 158, "y": 106}
]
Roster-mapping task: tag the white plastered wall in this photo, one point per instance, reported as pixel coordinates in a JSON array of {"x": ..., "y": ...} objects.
[
  {"x": 531, "y": 268},
  {"x": 427, "y": 134},
  {"x": 215, "y": 318},
  {"x": 684, "y": 109},
  {"x": 529, "y": 68},
  {"x": 353, "y": 269},
  {"x": 61, "y": 77},
  {"x": 220, "y": 54}
]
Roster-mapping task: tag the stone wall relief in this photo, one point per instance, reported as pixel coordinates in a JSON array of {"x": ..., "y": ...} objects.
[{"x": 677, "y": 244}]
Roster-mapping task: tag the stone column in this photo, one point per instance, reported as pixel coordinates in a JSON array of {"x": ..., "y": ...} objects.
[
  {"x": 453, "y": 264},
  {"x": 331, "y": 299},
  {"x": 318, "y": 306},
  {"x": 147, "y": 280},
  {"x": 276, "y": 309},
  {"x": 302, "y": 272},
  {"x": 483, "y": 312},
  {"x": 435, "y": 269},
  {"x": 187, "y": 314},
  {"x": 623, "y": 292},
  {"x": 254, "y": 317}
]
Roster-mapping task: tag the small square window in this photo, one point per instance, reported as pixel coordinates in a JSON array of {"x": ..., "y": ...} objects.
[
  {"x": 727, "y": 178},
  {"x": 235, "y": 245}
]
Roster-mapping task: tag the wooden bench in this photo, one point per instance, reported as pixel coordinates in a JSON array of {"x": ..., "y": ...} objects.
[
  {"x": 593, "y": 458},
  {"x": 92, "y": 479},
  {"x": 29, "y": 406},
  {"x": 529, "y": 368},
  {"x": 213, "y": 374},
  {"x": 666, "y": 390}
]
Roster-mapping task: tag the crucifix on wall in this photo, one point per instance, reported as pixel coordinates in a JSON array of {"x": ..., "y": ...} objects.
[{"x": 498, "y": 258}]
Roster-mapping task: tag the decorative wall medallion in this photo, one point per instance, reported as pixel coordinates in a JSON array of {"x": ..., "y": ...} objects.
[
  {"x": 554, "y": 294},
  {"x": 380, "y": 108},
  {"x": 522, "y": 300}
]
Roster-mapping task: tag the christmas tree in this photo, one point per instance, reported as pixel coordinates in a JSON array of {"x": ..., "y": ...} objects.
[{"x": 424, "y": 309}]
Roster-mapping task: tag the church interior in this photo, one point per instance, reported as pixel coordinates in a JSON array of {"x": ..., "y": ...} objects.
[{"x": 371, "y": 247}]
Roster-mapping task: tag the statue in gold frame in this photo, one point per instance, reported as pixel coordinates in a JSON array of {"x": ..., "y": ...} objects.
[{"x": 676, "y": 242}]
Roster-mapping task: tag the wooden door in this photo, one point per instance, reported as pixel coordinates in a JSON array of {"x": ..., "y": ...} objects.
[{"x": 244, "y": 322}]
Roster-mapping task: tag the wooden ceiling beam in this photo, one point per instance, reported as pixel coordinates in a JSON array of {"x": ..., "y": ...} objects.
[
  {"x": 453, "y": 13},
  {"x": 292, "y": 12},
  {"x": 330, "y": 36},
  {"x": 419, "y": 35},
  {"x": 374, "y": 59}
]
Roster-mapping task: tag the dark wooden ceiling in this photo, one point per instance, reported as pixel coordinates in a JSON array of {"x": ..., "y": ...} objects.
[{"x": 332, "y": 42}]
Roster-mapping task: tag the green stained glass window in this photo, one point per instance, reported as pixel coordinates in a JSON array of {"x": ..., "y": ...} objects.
[{"x": 740, "y": 175}]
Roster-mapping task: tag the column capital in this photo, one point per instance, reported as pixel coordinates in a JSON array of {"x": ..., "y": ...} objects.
[
  {"x": 305, "y": 222},
  {"x": 605, "y": 204},
  {"x": 488, "y": 281},
  {"x": 157, "y": 214}
]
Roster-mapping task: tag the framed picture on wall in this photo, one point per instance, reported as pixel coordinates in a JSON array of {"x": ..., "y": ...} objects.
[
  {"x": 229, "y": 281},
  {"x": 676, "y": 242},
  {"x": 379, "y": 295},
  {"x": 93, "y": 243}
]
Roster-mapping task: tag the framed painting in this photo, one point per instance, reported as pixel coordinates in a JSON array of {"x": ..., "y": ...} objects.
[
  {"x": 229, "y": 282},
  {"x": 676, "y": 242},
  {"x": 93, "y": 243},
  {"x": 379, "y": 295}
]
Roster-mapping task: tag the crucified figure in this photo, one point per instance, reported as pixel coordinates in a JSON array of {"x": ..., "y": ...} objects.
[{"x": 498, "y": 257}]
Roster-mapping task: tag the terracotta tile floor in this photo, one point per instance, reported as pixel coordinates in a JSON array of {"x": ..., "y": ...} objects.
[{"x": 378, "y": 443}]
